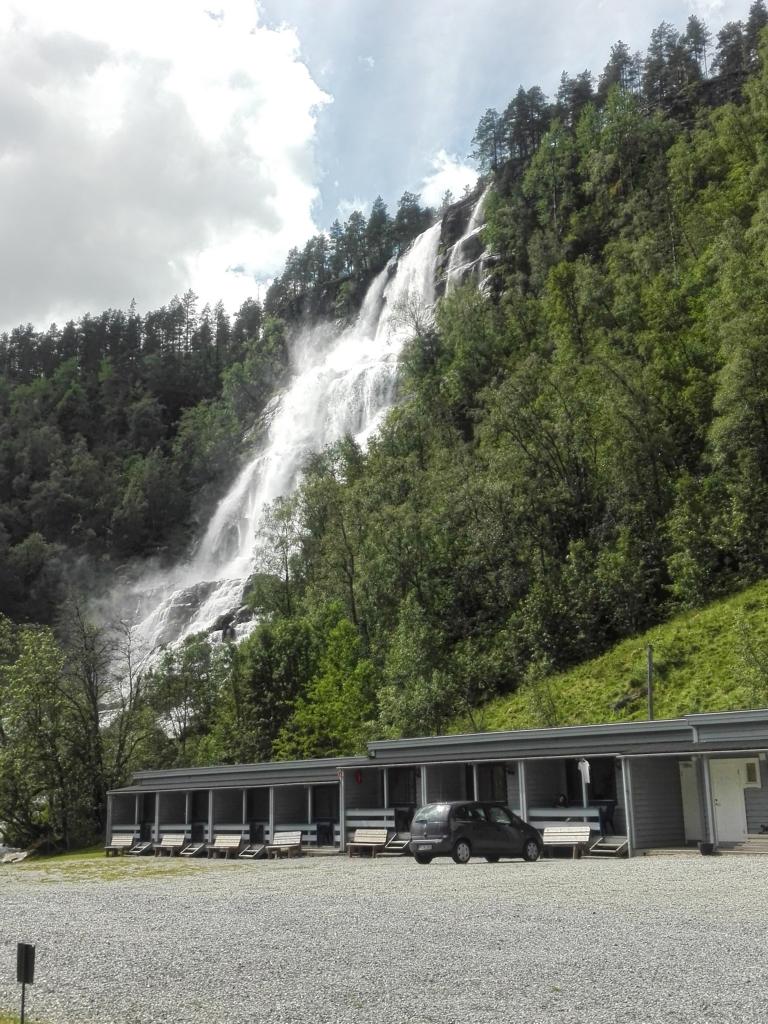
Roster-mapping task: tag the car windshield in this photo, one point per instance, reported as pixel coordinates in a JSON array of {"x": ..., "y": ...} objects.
[{"x": 432, "y": 812}]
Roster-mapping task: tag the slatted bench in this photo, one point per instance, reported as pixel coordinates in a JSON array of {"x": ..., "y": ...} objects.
[
  {"x": 373, "y": 839},
  {"x": 225, "y": 843},
  {"x": 575, "y": 836},
  {"x": 170, "y": 843},
  {"x": 121, "y": 842},
  {"x": 286, "y": 844}
]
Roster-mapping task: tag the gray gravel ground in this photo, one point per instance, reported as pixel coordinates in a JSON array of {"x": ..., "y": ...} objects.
[{"x": 331, "y": 941}]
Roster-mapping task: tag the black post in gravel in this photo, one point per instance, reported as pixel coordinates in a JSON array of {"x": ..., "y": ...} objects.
[{"x": 25, "y": 970}]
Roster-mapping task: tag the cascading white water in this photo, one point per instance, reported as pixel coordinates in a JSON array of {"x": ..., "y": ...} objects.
[
  {"x": 468, "y": 249},
  {"x": 342, "y": 387}
]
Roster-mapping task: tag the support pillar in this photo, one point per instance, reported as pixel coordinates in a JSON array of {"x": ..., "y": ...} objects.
[
  {"x": 626, "y": 782},
  {"x": 271, "y": 814},
  {"x": 210, "y": 816},
  {"x": 709, "y": 802},
  {"x": 342, "y": 812},
  {"x": 475, "y": 783},
  {"x": 385, "y": 771},
  {"x": 310, "y": 809},
  {"x": 110, "y": 798},
  {"x": 156, "y": 836},
  {"x": 423, "y": 777},
  {"x": 523, "y": 797}
]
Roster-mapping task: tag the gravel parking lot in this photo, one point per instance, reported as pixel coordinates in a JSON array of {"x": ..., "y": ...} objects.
[{"x": 321, "y": 940}]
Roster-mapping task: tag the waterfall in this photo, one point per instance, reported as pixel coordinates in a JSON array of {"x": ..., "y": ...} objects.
[
  {"x": 468, "y": 251},
  {"x": 338, "y": 387}
]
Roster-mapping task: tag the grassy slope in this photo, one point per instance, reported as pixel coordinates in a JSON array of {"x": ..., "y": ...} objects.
[{"x": 705, "y": 660}]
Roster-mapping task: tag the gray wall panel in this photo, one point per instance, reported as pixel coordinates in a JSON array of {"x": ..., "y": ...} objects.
[
  {"x": 227, "y": 807},
  {"x": 446, "y": 782},
  {"x": 657, "y": 803},
  {"x": 757, "y": 802},
  {"x": 258, "y": 804},
  {"x": 173, "y": 808},
  {"x": 291, "y": 805},
  {"x": 368, "y": 792},
  {"x": 513, "y": 786},
  {"x": 544, "y": 781},
  {"x": 123, "y": 809}
]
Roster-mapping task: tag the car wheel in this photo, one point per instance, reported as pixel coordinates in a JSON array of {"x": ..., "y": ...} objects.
[
  {"x": 462, "y": 851},
  {"x": 423, "y": 858},
  {"x": 492, "y": 860},
  {"x": 531, "y": 850}
]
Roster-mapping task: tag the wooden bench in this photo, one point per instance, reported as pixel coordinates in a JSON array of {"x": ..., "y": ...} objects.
[
  {"x": 121, "y": 842},
  {"x": 170, "y": 843},
  {"x": 225, "y": 844},
  {"x": 575, "y": 836},
  {"x": 373, "y": 839},
  {"x": 286, "y": 844}
]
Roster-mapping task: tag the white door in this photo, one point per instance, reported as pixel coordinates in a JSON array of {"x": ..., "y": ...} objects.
[
  {"x": 693, "y": 819},
  {"x": 728, "y": 797}
]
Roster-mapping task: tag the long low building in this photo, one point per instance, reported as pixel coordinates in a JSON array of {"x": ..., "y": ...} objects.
[{"x": 664, "y": 783}]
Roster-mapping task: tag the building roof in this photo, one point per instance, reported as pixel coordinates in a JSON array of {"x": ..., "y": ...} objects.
[
  {"x": 698, "y": 733},
  {"x": 239, "y": 776}
]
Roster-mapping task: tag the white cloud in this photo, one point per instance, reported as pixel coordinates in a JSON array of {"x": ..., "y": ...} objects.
[
  {"x": 146, "y": 148},
  {"x": 347, "y": 206},
  {"x": 449, "y": 174},
  {"x": 716, "y": 12}
]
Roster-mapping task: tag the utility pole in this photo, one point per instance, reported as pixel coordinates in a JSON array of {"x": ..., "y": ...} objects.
[{"x": 649, "y": 653}]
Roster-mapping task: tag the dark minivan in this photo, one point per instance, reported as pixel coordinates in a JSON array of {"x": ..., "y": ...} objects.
[{"x": 468, "y": 828}]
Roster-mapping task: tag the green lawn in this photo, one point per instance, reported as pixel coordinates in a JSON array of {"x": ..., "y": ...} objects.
[
  {"x": 712, "y": 659},
  {"x": 95, "y": 852},
  {"x": 92, "y": 864}
]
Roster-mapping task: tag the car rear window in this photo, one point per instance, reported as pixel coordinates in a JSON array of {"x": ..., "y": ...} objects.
[{"x": 431, "y": 812}]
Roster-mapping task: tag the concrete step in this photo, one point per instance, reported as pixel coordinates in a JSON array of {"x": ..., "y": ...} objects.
[
  {"x": 669, "y": 851},
  {"x": 753, "y": 844}
]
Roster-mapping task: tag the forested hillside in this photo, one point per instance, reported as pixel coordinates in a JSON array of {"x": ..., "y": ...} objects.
[{"x": 580, "y": 450}]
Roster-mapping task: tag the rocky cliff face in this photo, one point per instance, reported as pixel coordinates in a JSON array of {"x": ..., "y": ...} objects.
[{"x": 463, "y": 255}]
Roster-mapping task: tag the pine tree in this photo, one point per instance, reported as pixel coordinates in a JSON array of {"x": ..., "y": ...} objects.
[
  {"x": 487, "y": 142},
  {"x": 756, "y": 22},
  {"x": 378, "y": 234},
  {"x": 573, "y": 95},
  {"x": 622, "y": 69},
  {"x": 697, "y": 40},
  {"x": 731, "y": 57}
]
